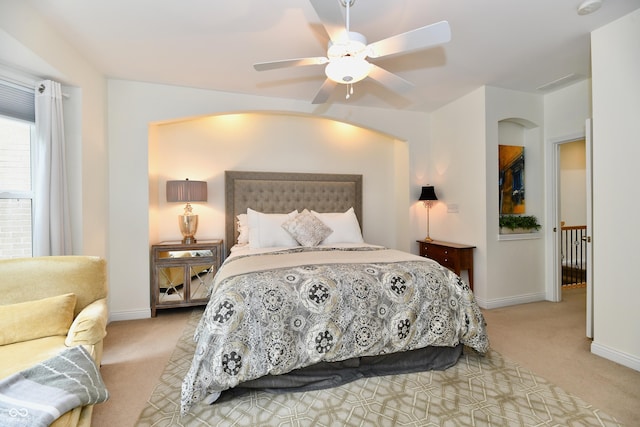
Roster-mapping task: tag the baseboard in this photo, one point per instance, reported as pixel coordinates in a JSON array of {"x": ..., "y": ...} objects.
[
  {"x": 130, "y": 315},
  {"x": 617, "y": 356},
  {"x": 509, "y": 301}
]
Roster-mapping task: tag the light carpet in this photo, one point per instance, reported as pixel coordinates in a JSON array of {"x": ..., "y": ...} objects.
[{"x": 478, "y": 391}]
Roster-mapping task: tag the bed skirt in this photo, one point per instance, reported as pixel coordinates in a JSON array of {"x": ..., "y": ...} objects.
[{"x": 332, "y": 374}]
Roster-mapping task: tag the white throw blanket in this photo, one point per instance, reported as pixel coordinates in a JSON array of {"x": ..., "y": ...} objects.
[{"x": 39, "y": 395}]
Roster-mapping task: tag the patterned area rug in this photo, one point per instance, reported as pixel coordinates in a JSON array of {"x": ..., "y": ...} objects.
[{"x": 477, "y": 391}]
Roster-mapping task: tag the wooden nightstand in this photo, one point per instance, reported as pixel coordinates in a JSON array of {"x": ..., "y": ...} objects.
[
  {"x": 181, "y": 274},
  {"x": 454, "y": 256}
]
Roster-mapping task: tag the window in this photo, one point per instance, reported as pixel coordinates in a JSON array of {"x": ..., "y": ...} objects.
[
  {"x": 17, "y": 129},
  {"x": 16, "y": 195}
]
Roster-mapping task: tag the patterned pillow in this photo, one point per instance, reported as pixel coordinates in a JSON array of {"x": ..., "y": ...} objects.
[{"x": 307, "y": 229}]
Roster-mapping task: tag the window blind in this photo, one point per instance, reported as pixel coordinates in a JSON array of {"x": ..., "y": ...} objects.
[{"x": 17, "y": 101}]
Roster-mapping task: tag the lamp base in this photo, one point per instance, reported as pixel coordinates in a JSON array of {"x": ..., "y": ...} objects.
[
  {"x": 188, "y": 227},
  {"x": 428, "y": 239}
]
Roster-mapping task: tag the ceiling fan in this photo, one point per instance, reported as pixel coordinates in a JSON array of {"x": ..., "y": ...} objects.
[{"x": 347, "y": 53}]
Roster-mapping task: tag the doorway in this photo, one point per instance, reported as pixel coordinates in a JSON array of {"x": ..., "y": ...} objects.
[
  {"x": 573, "y": 211},
  {"x": 573, "y": 220}
]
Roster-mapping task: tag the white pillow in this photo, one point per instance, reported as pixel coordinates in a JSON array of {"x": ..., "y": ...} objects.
[
  {"x": 265, "y": 230},
  {"x": 307, "y": 229},
  {"x": 243, "y": 229},
  {"x": 344, "y": 225}
]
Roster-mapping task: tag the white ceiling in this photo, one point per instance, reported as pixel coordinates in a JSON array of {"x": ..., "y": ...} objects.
[{"x": 212, "y": 44}]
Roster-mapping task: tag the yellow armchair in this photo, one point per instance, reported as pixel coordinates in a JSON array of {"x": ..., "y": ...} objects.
[{"x": 36, "y": 294}]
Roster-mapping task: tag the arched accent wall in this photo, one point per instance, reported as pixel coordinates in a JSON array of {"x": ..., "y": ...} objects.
[
  {"x": 136, "y": 110},
  {"x": 202, "y": 148}
]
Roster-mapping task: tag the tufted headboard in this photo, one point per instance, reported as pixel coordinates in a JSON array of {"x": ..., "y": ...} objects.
[{"x": 282, "y": 192}]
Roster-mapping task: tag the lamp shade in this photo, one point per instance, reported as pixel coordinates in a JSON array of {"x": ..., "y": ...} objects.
[
  {"x": 186, "y": 191},
  {"x": 428, "y": 193}
]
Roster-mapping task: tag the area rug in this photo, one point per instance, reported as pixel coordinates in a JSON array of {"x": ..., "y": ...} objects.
[{"x": 478, "y": 391}]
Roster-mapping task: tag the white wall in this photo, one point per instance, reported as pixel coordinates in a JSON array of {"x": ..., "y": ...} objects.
[
  {"x": 203, "y": 148},
  {"x": 565, "y": 111},
  {"x": 134, "y": 111},
  {"x": 28, "y": 44},
  {"x": 458, "y": 161},
  {"x": 465, "y": 161},
  {"x": 616, "y": 109},
  {"x": 573, "y": 188},
  {"x": 515, "y": 268}
]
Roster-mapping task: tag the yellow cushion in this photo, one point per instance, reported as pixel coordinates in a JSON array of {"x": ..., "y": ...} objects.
[{"x": 36, "y": 319}]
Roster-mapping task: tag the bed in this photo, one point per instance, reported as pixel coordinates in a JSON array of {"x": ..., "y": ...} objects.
[{"x": 302, "y": 302}]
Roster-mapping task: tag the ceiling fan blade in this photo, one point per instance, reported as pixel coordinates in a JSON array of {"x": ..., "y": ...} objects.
[
  {"x": 272, "y": 65},
  {"x": 420, "y": 38},
  {"x": 390, "y": 80},
  {"x": 324, "y": 92},
  {"x": 329, "y": 13}
]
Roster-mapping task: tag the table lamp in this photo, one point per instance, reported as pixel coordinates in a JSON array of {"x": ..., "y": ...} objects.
[
  {"x": 428, "y": 196},
  {"x": 186, "y": 192}
]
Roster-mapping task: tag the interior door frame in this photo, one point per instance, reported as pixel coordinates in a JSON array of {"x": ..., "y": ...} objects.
[
  {"x": 554, "y": 291},
  {"x": 588, "y": 141},
  {"x": 554, "y": 257}
]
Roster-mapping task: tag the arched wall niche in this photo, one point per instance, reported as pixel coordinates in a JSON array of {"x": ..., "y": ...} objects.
[
  {"x": 203, "y": 147},
  {"x": 517, "y": 131}
]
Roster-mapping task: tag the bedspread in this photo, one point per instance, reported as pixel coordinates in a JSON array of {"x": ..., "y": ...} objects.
[{"x": 272, "y": 313}]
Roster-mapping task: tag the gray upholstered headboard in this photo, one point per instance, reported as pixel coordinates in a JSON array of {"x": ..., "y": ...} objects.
[{"x": 281, "y": 192}]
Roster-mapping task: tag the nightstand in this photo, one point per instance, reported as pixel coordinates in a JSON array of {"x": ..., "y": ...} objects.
[
  {"x": 181, "y": 274},
  {"x": 455, "y": 256}
]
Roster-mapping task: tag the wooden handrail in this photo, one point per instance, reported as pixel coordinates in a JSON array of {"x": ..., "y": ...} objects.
[{"x": 574, "y": 227}]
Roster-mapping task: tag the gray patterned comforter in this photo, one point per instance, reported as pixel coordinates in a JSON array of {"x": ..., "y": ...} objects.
[{"x": 272, "y": 313}]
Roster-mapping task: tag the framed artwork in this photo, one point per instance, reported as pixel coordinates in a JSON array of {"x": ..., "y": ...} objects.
[{"x": 511, "y": 179}]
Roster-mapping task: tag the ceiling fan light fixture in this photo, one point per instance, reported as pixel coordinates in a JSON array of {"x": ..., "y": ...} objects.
[
  {"x": 589, "y": 6},
  {"x": 348, "y": 50},
  {"x": 347, "y": 70}
]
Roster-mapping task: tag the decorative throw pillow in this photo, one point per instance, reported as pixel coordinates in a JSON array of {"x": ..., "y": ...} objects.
[
  {"x": 345, "y": 226},
  {"x": 265, "y": 230},
  {"x": 41, "y": 318},
  {"x": 307, "y": 229}
]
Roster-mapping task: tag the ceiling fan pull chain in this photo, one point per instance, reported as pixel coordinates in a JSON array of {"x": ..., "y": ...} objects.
[{"x": 349, "y": 90}]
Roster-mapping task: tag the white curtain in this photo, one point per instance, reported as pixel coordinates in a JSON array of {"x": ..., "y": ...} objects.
[{"x": 51, "y": 223}]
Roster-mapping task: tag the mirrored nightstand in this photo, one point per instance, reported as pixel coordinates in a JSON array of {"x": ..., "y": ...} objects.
[{"x": 181, "y": 274}]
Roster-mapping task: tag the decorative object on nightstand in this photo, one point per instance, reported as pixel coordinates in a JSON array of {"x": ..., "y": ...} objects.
[
  {"x": 186, "y": 192},
  {"x": 181, "y": 273},
  {"x": 428, "y": 196},
  {"x": 455, "y": 256}
]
